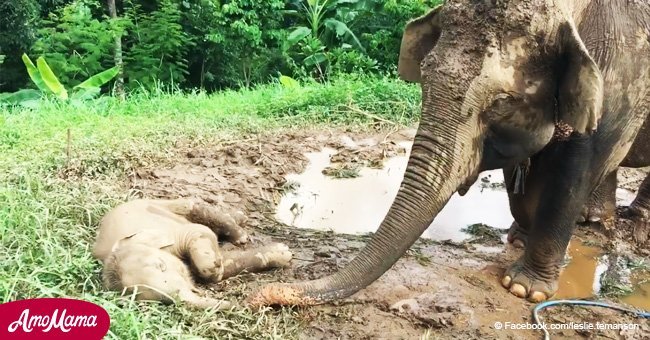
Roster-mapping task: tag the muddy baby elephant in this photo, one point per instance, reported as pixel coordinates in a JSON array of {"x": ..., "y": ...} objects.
[
  {"x": 553, "y": 91},
  {"x": 147, "y": 245}
]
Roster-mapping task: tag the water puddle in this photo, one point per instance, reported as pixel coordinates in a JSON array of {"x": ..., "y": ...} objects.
[
  {"x": 624, "y": 196},
  {"x": 581, "y": 277},
  {"x": 640, "y": 298},
  {"x": 358, "y": 205}
]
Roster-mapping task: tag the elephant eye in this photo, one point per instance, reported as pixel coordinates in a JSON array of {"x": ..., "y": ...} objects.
[
  {"x": 502, "y": 96},
  {"x": 506, "y": 97}
]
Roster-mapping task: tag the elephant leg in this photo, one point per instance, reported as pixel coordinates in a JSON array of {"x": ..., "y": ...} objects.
[
  {"x": 518, "y": 233},
  {"x": 639, "y": 213},
  {"x": 202, "y": 251},
  {"x": 274, "y": 255},
  {"x": 222, "y": 224},
  {"x": 564, "y": 168},
  {"x": 522, "y": 204},
  {"x": 601, "y": 205}
]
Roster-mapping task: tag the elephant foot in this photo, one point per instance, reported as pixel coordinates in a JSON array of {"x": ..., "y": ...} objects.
[
  {"x": 598, "y": 210},
  {"x": 517, "y": 235},
  {"x": 641, "y": 220},
  {"x": 525, "y": 283},
  {"x": 601, "y": 205}
]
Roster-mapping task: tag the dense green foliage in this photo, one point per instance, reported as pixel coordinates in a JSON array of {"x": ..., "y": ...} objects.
[
  {"x": 17, "y": 34},
  {"x": 381, "y": 25},
  {"x": 207, "y": 44},
  {"x": 76, "y": 44}
]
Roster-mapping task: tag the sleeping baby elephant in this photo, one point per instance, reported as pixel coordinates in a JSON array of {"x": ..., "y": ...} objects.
[{"x": 147, "y": 245}]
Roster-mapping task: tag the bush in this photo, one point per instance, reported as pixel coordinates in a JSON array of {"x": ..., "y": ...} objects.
[
  {"x": 352, "y": 61},
  {"x": 320, "y": 27},
  {"x": 235, "y": 43},
  {"x": 18, "y": 20},
  {"x": 75, "y": 44},
  {"x": 365, "y": 37},
  {"x": 381, "y": 24},
  {"x": 157, "y": 45}
]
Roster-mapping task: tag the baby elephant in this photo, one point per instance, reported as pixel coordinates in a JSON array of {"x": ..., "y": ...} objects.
[{"x": 147, "y": 245}]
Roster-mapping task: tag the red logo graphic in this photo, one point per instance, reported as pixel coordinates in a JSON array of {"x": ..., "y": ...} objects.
[{"x": 53, "y": 318}]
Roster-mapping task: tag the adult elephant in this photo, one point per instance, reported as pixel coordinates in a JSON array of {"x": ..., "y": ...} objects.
[{"x": 497, "y": 78}]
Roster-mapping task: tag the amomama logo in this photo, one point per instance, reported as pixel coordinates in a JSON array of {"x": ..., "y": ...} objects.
[{"x": 53, "y": 318}]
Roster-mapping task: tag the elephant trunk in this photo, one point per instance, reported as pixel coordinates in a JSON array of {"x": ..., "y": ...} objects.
[{"x": 437, "y": 166}]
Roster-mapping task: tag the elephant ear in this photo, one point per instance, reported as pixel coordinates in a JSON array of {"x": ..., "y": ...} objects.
[
  {"x": 580, "y": 98},
  {"x": 151, "y": 238},
  {"x": 420, "y": 36}
]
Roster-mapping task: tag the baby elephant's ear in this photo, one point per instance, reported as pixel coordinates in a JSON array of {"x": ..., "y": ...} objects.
[
  {"x": 580, "y": 98},
  {"x": 420, "y": 36},
  {"x": 156, "y": 239}
]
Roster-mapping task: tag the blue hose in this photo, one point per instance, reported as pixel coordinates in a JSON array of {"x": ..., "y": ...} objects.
[{"x": 547, "y": 336}]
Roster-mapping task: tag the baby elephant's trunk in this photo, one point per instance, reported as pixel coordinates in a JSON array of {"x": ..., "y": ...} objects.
[
  {"x": 194, "y": 300},
  {"x": 275, "y": 255}
]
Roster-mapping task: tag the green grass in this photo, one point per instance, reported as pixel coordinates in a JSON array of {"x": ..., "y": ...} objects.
[
  {"x": 50, "y": 204},
  {"x": 343, "y": 171}
]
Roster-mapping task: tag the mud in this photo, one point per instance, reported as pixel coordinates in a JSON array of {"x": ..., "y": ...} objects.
[{"x": 446, "y": 286}]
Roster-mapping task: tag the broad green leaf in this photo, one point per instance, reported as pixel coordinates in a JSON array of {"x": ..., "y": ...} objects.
[
  {"x": 289, "y": 82},
  {"x": 34, "y": 74},
  {"x": 338, "y": 2},
  {"x": 100, "y": 78},
  {"x": 342, "y": 29},
  {"x": 50, "y": 79},
  {"x": 314, "y": 59},
  {"x": 85, "y": 93},
  {"x": 20, "y": 96},
  {"x": 288, "y": 12},
  {"x": 298, "y": 34}
]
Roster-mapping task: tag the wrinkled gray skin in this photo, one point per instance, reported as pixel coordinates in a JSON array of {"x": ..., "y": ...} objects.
[{"x": 496, "y": 76}]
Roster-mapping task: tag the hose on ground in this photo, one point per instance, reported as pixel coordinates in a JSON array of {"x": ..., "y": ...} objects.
[{"x": 539, "y": 307}]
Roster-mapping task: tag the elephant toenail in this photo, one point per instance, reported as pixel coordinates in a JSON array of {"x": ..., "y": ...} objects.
[
  {"x": 518, "y": 243},
  {"x": 506, "y": 281},
  {"x": 594, "y": 219},
  {"x": 537, "y": 297},
  {"x": 518, "y": 290}
]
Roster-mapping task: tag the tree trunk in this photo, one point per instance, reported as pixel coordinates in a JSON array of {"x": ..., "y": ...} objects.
[{"x": 117, "y": 57}]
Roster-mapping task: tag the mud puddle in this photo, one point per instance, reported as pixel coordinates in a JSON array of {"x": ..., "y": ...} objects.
[
  {"x": 581, "y": 277},
  {"x": 359, "y": 204},
  {"x": 640, "y": 298}
]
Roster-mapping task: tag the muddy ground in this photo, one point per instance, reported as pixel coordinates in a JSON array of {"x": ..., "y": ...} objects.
[{"x": 438, "y": 290}]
